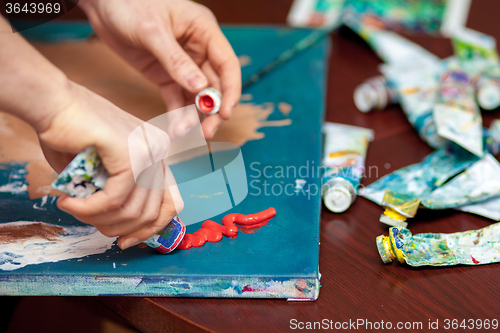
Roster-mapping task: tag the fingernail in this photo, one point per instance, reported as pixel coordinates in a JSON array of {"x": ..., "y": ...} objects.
[
  {"x": 196, "y": 81},
  {"x": 129, "y": 242}
]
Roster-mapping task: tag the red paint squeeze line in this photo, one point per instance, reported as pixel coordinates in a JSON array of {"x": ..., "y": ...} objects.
[{"x": 212, "y": 232}]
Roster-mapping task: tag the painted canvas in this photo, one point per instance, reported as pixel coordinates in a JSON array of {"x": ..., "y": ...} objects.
[{"x": 277, "y": 124}]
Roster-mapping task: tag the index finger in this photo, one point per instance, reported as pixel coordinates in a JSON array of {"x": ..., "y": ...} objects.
[{"x": 224, "y": 61}]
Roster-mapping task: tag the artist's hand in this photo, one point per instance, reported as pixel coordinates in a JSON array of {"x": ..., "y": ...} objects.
[
  {"x": 177, "y": 44},
  {"x": 122, "y": 208}
]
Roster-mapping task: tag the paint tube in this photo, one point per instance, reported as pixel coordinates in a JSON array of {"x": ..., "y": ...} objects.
[
  {"x": 479, "y": 182},
  {"x": 315, "y": 13},
  {"x": 419, "y": 180},
  {"x": 417, "y": 87},
  {"x": 208, "y": 101},
  {"x": 344, "y": 159},
  {"x": 374, "y": 93},
  {"x": 456, "y": 114},
  {"x": 474, "y": 247},
  {"x": 478, "y": 56},
  {"x": 86, "y": 174},
  {"x": 391, "y": 47},
  {"x": 398, "y": 208},
  {"x": 488, "y": 92}
]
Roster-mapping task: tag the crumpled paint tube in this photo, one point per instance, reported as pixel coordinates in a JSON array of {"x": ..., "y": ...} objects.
[
  {"x": 374, "y": 93},
  {"x": 474, "y": 247},
  {"x": 419, "y": 180},
  {"x": 478, "y": 56},
  {"x": 417, "y": 90},
  {"x": 344, "y": 159},
  {"x": 86, "y": 174},
  {"x": 456, "y": 114},
  {"x": 398, "y": 208},
  {"x": 391, "y": 47}
]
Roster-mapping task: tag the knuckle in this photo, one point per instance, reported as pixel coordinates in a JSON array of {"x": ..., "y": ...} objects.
[
  {"x": 178, "y": 60},
  {"x": 108, "y": 232},
  {"x": 147, "y": 28},
  {"x": 151, "y": 215},
  {"x": 133, "y": 212},
  {"x": 207, "y": 12}
]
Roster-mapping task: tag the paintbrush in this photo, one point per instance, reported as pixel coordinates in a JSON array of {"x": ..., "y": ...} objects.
[{"x": 302, "y": 45}]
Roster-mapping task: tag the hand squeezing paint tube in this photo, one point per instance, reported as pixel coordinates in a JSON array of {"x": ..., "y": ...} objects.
[
  {"x": 474, "y": 247},
  {"x": 344, "y": 159},
  {"x": 86, "y": 175}
]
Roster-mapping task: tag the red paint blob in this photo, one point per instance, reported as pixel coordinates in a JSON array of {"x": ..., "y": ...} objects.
[
  {"x": 212, "y": 232},
  {"x": 474, "y": 260},
  {"x": 206, "y": 103}
]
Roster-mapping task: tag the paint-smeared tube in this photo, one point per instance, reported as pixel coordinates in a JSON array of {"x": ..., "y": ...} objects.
[
  {"x": 478, "y": 56},
  {"x": 344, "y": 161},
  {"x": 417, "y": 90},
  {"x": 398, "y": 208},
  {"x": 419, "y": 180},
  {"x": 374, "y": 93},
  {"x": 474, "y": 247},
  {"x": 479, "y": 182},
  {"x": 86, "y": 174},
  {"x": 391, "y": 47},
  {"x": 456, "y": 114}
]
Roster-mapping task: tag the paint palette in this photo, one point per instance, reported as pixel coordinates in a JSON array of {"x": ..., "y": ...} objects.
[{"x": 280, "y": 260}]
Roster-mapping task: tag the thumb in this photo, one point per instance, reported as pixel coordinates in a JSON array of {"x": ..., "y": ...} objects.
[{"x": 179, "y": 65}]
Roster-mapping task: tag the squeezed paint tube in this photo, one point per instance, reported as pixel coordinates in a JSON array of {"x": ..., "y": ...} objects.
[
  {"x": 474, "y": 247},
  {"x": 86, "y": 174},
  {"x": 417, "y": 87},
  {"x": 208, "y": 101},
  {"x": 391, "y": 47},
  {"x": 344, "y": 159},
  {"x": 478, "y": 56},
  {"x": 457, "y": 115},
  {"x": 419, "y": 180},
  {"x": 398, "y": 208},
  {"x": 374, "y": 93}
]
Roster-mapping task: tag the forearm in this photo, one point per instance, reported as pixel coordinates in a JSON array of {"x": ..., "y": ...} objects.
[{"x": 31, "y": 88}]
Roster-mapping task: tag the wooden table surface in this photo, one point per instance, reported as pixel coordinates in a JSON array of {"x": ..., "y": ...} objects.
[{"x": 356, "y": 285}]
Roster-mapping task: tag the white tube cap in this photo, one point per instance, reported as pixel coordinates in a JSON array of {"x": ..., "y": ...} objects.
[
  {"x": 488, "y": 96},
  {"x": 338, "y": 198}
]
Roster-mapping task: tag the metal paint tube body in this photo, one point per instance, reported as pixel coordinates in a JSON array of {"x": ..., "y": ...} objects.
[
  {"x": 474, "y": 247},
  {"x": 479, "y": 182},
  {"x": 374, "y": 93},
  {"x": 344, "y": 159},
  {"x": 417, "y": 89},
  {"x": 86, "y": 175},
  {"x": 456, "y": 114},
  {"x": 419, "y": 180},
  {"x": 478, "y": 56}
]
